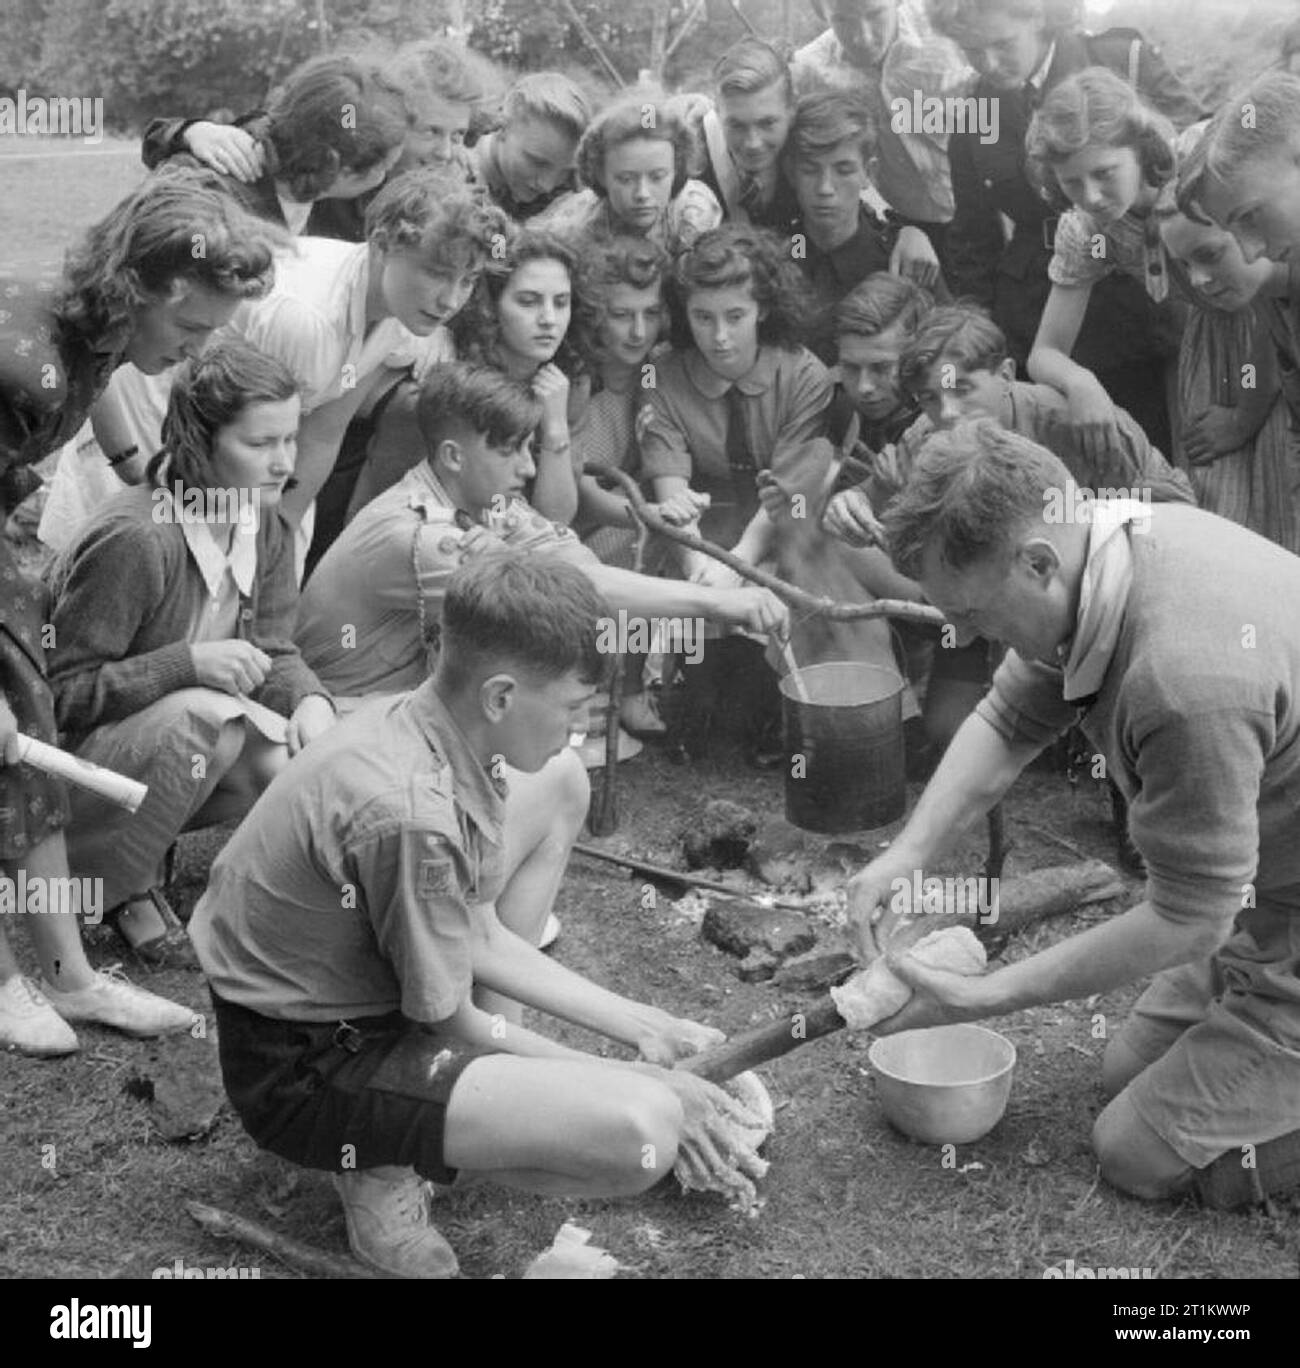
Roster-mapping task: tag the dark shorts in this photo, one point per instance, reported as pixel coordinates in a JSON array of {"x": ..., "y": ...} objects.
[{"x": 342, "y": 1095}]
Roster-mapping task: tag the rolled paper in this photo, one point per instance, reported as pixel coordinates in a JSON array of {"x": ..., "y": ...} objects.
[{"x": 117, "y": 788}]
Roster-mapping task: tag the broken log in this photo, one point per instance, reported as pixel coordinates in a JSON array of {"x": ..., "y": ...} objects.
[{"x": 318, "y": 1263}]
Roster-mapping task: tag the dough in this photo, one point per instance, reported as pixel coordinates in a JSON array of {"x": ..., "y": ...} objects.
[{"x": 877, "y": 992}]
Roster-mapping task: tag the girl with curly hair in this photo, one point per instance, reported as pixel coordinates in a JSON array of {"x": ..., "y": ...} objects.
[
  {"x": 1100, "y": 154},
  {"x": 739, "y": 396},
  {"x": 173, "y": 617},
  {"x": 134, "y": 290},
  {"x": 633, "y": 162},
  {"x": 518, "y": 321}
]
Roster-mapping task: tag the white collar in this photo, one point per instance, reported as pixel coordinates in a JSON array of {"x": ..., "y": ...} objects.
[{"x": 213, "y": 563}]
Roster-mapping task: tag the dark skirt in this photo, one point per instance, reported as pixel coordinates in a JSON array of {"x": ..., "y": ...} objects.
[{"x": 33, "y": 805}]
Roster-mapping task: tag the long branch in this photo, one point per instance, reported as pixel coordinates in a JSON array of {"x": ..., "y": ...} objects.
[{"x": 795, "y": 597}]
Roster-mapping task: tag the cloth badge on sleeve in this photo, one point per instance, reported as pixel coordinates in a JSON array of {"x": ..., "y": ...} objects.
[{"x": 436, "y": 878}]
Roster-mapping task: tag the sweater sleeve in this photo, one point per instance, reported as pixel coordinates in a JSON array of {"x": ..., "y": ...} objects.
[
  {"x": 1195, "y": 816},
  {"x": 290, "y": 679},
  {"x": 1026, "y": 702},
  {"x": 114, "y": 582}
]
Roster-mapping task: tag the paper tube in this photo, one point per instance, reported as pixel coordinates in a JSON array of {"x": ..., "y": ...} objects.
[{"x": 117, "y": 788}]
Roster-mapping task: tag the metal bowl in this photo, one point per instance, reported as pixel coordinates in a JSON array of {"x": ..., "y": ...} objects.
[{"x": 948, "y": 1085}]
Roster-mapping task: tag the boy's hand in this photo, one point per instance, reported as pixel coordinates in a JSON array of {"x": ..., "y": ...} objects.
[
  {"x": 683, "y": 508},
  {"x": 755, "y": 609},
  {"x": 850, "y": 517},
  {"x": 8, "y": 733},
  {"x": 551, "y": 386},
  {"x": 772, "y": 496},
  {"x": 227, "y": 149},
  {"x": 1212, "y": 433},
  {"x": 914, "y": 257},
  {"x": 677, "y": 1038},
  {"x": 1092, "y": 419},
  {"x": 705, "y": 1145}
]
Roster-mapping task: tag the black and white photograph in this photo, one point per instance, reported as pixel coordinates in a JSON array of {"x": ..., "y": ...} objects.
[{"x": 650, "y": 642}]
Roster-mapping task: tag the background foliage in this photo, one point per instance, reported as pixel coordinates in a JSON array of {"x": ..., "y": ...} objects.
[{"x": 146, "y": 56}]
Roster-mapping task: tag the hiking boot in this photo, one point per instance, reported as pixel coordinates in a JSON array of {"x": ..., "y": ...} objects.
[
  {"x": 29, "y": 1024},
  {"x": 389, "y": 1228},
  {"x": 113, "y": 1000}
]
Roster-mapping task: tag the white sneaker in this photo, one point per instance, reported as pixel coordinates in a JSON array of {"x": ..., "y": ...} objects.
[
  {"x": 113, "y": 1000},
  {"x": 389, "y": 1228},
  {"x": 29, "y": 1024}
]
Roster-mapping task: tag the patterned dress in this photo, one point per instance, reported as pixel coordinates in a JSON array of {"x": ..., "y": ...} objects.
[{"x": 48, "y": 382}]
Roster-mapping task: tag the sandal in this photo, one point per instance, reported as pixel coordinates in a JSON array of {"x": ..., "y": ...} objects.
[{"x": 171, "y": 949}]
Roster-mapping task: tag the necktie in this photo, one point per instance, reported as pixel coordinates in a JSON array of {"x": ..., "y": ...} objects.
[
  {"x": 740, "y": 459},
  {"x": 751, "y": 196}
]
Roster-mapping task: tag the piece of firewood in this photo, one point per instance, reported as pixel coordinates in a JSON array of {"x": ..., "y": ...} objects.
[
  {"x": 316, "y": 1262},
  {"x": 764, "y": 1043}
]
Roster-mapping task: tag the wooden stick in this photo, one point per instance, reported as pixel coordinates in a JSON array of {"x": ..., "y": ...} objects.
[
  {"x": 317, "y": 1262},
  {"x": 749, "y": 1049},
  {"x": 678, "y": 876},
  {"x": 795, "y": 597},
  {"x": 792, "y": 671}
]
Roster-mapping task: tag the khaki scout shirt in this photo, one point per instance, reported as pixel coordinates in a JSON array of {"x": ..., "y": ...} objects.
[
  {"x": 360, "y": 614},
  {"x": 346, "y": 891}
]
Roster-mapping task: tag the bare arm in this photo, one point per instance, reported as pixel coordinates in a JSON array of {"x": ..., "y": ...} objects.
[
  {"x": 1092, "y": 414},
  {"x": 320, "y": 436}
]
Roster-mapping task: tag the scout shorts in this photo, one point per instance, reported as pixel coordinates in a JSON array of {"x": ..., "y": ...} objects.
[{"x": 341, "y": 1095}]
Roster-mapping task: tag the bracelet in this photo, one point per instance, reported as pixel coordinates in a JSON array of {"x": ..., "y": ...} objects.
[{"x": 123, "y": 456}]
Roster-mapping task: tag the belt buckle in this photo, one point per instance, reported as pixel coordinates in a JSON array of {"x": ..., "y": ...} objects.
[{"x": 347, "y": 1037}]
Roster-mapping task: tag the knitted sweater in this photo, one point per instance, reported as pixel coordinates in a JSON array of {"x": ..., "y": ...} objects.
[
  {"x": 1198, "y": 716},
  {"x": 124, "y": 596}
]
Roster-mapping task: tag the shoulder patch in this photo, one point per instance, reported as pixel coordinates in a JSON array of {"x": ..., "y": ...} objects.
[{"x": 436, "y": 878}]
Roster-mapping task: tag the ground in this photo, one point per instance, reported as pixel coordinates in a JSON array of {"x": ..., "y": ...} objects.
[{"x": 846, "y": 1195}]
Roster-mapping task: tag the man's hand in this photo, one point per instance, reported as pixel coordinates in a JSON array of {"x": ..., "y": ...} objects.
[
  {"x": 914, "y": 257},
  {"x": 850, "y": 517},
  {"x": 1092, "y": 421},
  {"x": 227, "y": 149},
  {"x": 879, "y": 918},
  {"x": 772, "y": 496},
  {"x": 551, "y": 386},
  {"x": 1212, "y": 433},
  {"x": 8, "y": 733},
  {"x": 233, "y": 667},
  {"x": 677, "y": 1038},
  {"x": 939, "y": 997},
  {"x": 311, "y": 718}
]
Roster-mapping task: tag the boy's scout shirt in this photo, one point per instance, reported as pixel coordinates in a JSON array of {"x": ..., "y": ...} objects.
[
  {"x": 346, "y": 892},
  {"x": 368, "y": 606}
]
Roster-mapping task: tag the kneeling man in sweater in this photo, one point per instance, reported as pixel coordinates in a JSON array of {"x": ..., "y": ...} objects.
[
  {"x": 1171, "y": 636},
  {"x": 353, "y": 914}
]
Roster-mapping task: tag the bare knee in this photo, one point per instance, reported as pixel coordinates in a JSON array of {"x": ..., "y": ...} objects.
[
  {"x": 1133, "y": 1158},
  {"x": 1119, "y": 1067},
  {"x": 640, "y": 1142},
  {"x": 572, "y": 789}
]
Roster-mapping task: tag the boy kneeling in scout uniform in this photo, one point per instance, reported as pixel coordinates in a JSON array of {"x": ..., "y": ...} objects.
[{"x": 352, "y": 912}]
